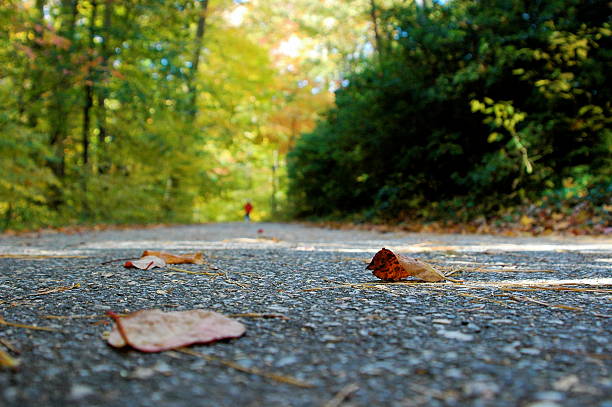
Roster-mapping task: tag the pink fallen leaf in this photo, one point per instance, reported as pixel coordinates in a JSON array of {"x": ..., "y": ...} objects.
[
  {"x": 155, "y": 330},
  {"x": 145, "y": 263}
]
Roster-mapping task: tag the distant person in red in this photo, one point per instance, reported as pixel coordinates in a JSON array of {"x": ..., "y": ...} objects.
[{"x": 247, "y": 212}]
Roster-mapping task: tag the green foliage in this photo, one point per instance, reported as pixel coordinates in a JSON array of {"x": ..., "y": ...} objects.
[
  {"x": 104, "y": 118},
  {"x": 470, "y": 107}
]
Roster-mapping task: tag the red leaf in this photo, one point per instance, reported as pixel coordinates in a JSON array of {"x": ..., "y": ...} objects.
[{"x": 389, "y": 266}]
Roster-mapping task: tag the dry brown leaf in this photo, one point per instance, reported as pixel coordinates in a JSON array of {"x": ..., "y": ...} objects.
[
  {"x": 155, "y": 330},
  {"x": 145, "y": 263},
  {"x": 191, "y": 258},
  {"x": 389, "y": 266}
]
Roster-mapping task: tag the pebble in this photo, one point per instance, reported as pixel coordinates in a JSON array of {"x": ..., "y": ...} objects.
[
  {"x": 460, "y": 336},
  {"x": 486, "y": 390},
  {"x": 545, "y": 403},
  {"x": 10, "y": 394},
  {"x": 80, "y": 391},
  {"x": 453, "y": 373},
  {"x": 501, "y": 321},
  {"x": 550, "y": 396},
  {"x": 441, "y": 321},
  {"x": 286, "y": 361}
]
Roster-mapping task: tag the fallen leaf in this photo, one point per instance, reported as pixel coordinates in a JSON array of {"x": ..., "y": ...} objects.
[
  {"x": 145, "y": 263},
  {"x": 192, "y": 258},
  {"x": 389, "y": 266},
  {"x": 155, "y": 330}
]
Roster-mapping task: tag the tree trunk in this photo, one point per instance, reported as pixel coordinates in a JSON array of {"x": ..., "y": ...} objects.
[
  {"x": 191, "y": 79},
  {"x": 26, "y": 101},
  {"x": 58, "y": 110},
  {"x": 102, "y": 89},
  {"x": 88, "y": 88},
  {"x": 377, "y": 38}
]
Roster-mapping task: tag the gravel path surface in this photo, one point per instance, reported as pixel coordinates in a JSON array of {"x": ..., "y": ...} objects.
[{"x": 530, "y": 325}]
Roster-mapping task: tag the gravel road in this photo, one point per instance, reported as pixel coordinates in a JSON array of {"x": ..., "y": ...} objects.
[{"x": 529, "y": 326}]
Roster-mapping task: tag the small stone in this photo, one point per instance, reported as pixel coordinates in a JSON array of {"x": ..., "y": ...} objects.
[
  {"x": 566, "y": 383},
  {"x": 142, "y": 373},
  {"x": 486, "y": 390},
  {"x": 80, "y": 391},
  {"x": 286, "y": 361},
  {"x": 473, "y": 327},
  {"x": 545, "y": 403},
  {"x": 277, "y": 308},
  {"x": 460, "y": 336},
  {"x": 601, "y": 339},
  {"x": 530, "y": 351},
  {"x": 375, "y": 369},
  {"x": 442, "y": 321},
  {"x": 10, "y": 394},
  {"x": 501, "y": 321},
  {"x": 453, "y": 373},
  {"x": 550, "y": 396}
]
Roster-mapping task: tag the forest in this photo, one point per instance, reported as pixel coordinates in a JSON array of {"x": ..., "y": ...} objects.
[
  {"x": 180, "y": 111},
  {"x": 469, "y": 110}
]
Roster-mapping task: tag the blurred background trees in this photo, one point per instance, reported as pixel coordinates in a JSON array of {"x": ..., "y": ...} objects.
[
  {"x": 139, "y": 111},
  {"x": 467, "y": 109}
]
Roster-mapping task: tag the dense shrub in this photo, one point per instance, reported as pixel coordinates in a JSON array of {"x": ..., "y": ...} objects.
[{"x": 470, "y": 107}]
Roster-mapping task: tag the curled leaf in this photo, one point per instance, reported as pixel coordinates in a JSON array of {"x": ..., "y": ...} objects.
[
  {"x": 389, "y": 266},
  {"x": 145, "y": 263},
  {"x": 155, "y": 330},
  {"x": 191, "y": 258}
]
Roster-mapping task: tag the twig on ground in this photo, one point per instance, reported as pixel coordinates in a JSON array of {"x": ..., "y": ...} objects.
[
  {"x": 533, "y": 300},
  {"x": 39, "y": 256},
  {"x": 114, "y": 260},
  {"x": 46, "y": 291},
  {"x": 345, "y": 392},
  {"x": 258, "y": 315},
  {"x": 9, "y": 346},
  {"x": 489, "y": 270},
  {"x": 251, "y": 370},
  {"x": 482, "y": 298},
  {"x": 98, "y": 316},
  {"x": 33, "y": 327},
  {"x": 203, "y": 273},
  {"x": 574, "y": 289}
]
